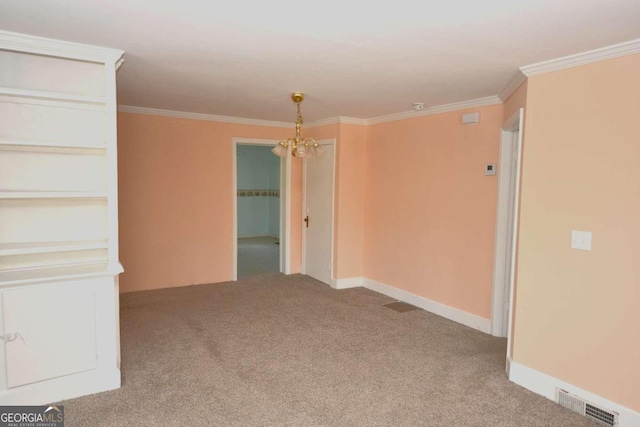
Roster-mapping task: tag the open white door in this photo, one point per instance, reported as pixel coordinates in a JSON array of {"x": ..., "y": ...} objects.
[{"x": 318, "y": 211}]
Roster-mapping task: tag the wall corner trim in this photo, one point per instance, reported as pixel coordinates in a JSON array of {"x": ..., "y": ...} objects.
[
  {"x": 545, "y": 385},
  {"x": 601, "y": 54},
  {"x": 511, "y": 86},
  {"x": 471, "y": 320}
]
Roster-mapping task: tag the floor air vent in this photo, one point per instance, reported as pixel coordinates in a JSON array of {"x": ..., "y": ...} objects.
[
  {"x": 400, "y": 307},
  {"x": 589, "y": 410}
]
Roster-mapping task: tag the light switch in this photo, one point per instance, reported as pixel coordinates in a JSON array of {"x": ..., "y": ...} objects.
[{"x": 581, "y": 240}]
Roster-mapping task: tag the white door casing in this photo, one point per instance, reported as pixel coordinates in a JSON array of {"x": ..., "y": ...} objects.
[
  {"x": 319, "y": 181},
  {"x": 506, "y": 225}
]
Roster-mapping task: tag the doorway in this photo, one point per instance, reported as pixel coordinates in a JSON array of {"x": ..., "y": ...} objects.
[
  {"x": 506, "y": 227},
  {"x": 318, "y": 210},
  {"x": 261, "y": 205}
]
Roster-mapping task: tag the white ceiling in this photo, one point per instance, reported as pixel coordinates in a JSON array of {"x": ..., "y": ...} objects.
[{"x": 351, "y": 58}]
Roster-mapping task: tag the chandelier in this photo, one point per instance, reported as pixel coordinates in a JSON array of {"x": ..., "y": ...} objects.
[{"x": 300, "y": 147}]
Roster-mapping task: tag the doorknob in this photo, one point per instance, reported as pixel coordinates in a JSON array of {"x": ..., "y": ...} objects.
[
  {"x": 307, "y": 221},
  {"x": 12, "y": 337}
]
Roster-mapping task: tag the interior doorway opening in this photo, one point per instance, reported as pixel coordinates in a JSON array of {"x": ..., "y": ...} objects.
[{"x": 261, "y": 188}]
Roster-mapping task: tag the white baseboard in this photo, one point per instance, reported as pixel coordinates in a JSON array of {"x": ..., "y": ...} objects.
[
  {"x": 350, "y": 282},
  {"x": 546, "y": 386},
  {"x": 63, "y": 388},
  {"x": 448, "y": 312},
  {"x": 253, "y": 236},
  {"x": 451, "y": 313}
]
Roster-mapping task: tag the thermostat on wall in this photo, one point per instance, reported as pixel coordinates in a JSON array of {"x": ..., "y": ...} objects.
[
  {"x": 471, "y": 118},
  {"x": 490, "y": 169}
]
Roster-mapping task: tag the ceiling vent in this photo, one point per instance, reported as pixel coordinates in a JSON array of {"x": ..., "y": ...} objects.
[{"x": 584, "y": 408}]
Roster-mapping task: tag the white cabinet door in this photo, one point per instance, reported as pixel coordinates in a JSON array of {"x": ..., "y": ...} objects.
[{"x": 49, "y": 331}]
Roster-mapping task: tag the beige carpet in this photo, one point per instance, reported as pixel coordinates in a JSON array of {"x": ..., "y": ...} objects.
[
  {"x": 258, "y": 255},
  {"x": 289, "y": 351}
]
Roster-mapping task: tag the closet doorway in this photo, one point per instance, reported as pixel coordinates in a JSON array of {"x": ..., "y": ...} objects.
[{"x": 261, "y": 206}]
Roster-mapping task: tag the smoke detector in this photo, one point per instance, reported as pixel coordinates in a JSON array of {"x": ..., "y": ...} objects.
[{"x": 418, "y": 106}]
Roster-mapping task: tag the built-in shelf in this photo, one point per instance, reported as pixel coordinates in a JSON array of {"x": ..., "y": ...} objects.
[
  {"x": 54, "y": 96},
  {"x": 50, "y": 247},
  {"x": 53, "y": 194},
  {"x": 65, "y": 272},
  {"x": 44, "y": 146},
  {"x": 58, "y": 219}
]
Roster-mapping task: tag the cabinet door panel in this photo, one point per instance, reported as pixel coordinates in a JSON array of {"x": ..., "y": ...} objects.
[{"x": 51, "y": 331}]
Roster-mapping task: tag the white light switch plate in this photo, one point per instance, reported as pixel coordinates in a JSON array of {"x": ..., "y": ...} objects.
[{"x": 581, "y": 240}]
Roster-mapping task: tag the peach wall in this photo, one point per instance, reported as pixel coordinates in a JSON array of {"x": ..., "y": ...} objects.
[
  {"x": 176, "y": 202},
  {"x": 430, "y": 211},
  {"x": 578, "y": 318},
  {"x": 350, "y": 201}
]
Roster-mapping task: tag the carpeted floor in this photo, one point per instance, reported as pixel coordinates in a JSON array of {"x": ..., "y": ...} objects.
[
  {"x": 289, "y": 351},
  {"x": 258, "y": 255}
]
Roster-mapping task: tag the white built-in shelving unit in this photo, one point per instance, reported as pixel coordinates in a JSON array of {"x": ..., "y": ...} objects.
[{"x": 59, "y": 262}]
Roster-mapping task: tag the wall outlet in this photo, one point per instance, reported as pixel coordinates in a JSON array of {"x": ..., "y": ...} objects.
[{"x": 581, "y": 240}]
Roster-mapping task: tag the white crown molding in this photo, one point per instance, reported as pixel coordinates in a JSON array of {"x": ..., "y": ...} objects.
[
  {"x": 237, "y": 120},
  {"x": 323, "y": 122},
  {"x": 480, "y": 102},
  {"x": 473, "y": 103},
  {"x": 201, "y": 116},
  {"x": 608, "y": 52},
  {"x": 511, "y": 86},
  {"x": 353, "y": 121},
  {"x": 337, "y": 120},
  {"x": 58, "y": 48}
]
